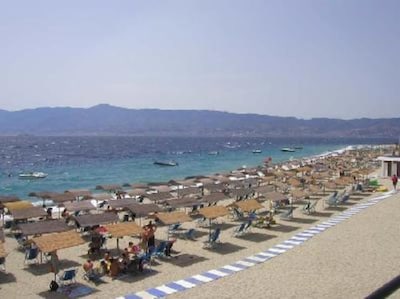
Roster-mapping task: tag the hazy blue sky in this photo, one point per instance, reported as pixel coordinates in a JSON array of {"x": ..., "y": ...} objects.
[{"x": 321, "y": 58}]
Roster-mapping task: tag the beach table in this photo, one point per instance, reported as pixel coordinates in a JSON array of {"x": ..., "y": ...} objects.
[
  {"x": 96, "y": 219},
  {"x": 43, "y": 227}
]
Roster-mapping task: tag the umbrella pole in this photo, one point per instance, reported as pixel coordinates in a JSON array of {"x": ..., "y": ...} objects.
[
  {"x": 118, "y": 244},
  {"x": 209, "y": 236}
]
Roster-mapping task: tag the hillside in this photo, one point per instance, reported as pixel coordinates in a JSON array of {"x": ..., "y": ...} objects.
[{"x": 110, "y": 120}]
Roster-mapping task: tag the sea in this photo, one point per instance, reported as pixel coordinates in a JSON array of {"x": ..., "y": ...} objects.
[{"x": 85, "y": 162}]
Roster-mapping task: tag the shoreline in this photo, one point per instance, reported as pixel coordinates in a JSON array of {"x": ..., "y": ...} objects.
[{"x": 38, "y": 202}]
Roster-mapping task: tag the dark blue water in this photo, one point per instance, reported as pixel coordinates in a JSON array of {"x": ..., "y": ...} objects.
[{"x": 84, "y": 162}]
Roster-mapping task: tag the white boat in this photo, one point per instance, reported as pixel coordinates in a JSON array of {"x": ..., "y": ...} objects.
[
  {"x": 213, "y": 153},
  {"x": 288, "y": 149},
  {"x": 257, "y": 151},
  {"x": 32, "y": 175},
  {"x": 166, "y": 163}
]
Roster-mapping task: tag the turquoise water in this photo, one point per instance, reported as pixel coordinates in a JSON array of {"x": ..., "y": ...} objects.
[{"x": 84, "y": 162}]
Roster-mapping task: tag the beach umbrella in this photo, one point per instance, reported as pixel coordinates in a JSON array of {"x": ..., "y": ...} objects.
[{"x": 213, "y": 213}]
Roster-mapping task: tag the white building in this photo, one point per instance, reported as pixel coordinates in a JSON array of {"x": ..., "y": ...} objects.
[{"x": 390, "y": 165}]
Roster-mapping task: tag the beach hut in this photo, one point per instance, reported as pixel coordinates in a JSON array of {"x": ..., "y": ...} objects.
[{"x": 390, "y": 165}]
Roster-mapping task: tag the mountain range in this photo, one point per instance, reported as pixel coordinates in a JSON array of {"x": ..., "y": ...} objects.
[{"x": 104, "y": 119}]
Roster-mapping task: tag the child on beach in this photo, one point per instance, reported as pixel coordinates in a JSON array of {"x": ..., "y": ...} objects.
[{"x": 394, "y": 181}]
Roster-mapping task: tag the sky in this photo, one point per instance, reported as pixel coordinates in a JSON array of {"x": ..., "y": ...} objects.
[{"x": 302, "y": 58}]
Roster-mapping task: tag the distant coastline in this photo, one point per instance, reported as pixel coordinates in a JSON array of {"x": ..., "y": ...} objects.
[{"x": 106, "y": 120}]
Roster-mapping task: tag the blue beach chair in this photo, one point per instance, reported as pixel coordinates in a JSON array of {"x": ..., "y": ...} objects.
[{"x": 213, "y": 239}]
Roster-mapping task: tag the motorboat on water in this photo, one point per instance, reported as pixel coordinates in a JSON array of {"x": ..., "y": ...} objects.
[
  {"x": 32, "y": 175},
  {"x": 257, "y": 151},
  {"x": 166, "y": 163},
  {"x": 288, "y": 149},
  {"x": 213, "y": 153}
]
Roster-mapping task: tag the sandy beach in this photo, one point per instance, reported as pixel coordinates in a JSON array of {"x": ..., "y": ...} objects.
[{"x": 351, "y": 259}]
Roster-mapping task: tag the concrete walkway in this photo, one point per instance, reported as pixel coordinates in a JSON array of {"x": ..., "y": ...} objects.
[{"x": 350, "y": 260}]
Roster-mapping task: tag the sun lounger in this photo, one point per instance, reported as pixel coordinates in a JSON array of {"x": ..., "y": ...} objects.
[
  {"x": 345, "y": 198},
  {"x": 309, "y": 207},
  {"x": 287, "y": 215},
  {"x": 67, "y": 276},
  {"x": 213, "y": 239},
  {"x": 332, "y": 201},
  {"x": 238, "y": 231},
  {"x": 3, "y": 264},
  {"x": 189, "y": 234},
  {"x": 173, "y": 229},
  {"x": 31, "y": 255},
  {"x": 236, "y": 214}
]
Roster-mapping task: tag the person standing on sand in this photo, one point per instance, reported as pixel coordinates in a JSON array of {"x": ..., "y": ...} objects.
[{"x": 394, "y": 181}]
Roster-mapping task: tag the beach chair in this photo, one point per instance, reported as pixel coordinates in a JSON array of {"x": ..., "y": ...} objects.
[
  {"x": 3, "y": 264},
  {"x": 236, "y": 214},
  {"x": 344, "y": 199},
  {"x": 189, "y": 234},
  {"x": 287, "y": 215},
  {"x": 247, "y": 227},
  {"x": 202, "y": 222},
  {"x": 67, "y": 276},
  {"x": 21, "y": 240},
  {"x": 213, "y": 239},
  {"x": 332, "y": 200},
  {"x": 238, "y": 231},
  {"x": 173, "y": 229},
  {"x": 159, "y": 251},
  {"x": 31, "y": 255},
  {"x": 309, "y": 207}
]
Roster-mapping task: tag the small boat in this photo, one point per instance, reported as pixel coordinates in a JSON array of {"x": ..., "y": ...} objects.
[
  {"x": 166, "y": 163},
  {"x": 288, "y": 149},
  {"x": 257, "y": 151},
  {"x": 213, "y": 153},
  {"x": 32, "y": 175}
]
